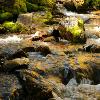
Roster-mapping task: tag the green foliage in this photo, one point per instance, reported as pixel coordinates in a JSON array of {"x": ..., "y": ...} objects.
[
  {"x": 19, "y": 6},
  {"x": 93, "y": 3},
  {"x": 96, "y": 3},
  {"x": 12, "y": 27},
  {"x": 76, "y": 30},
  {"x": 42, "y": 17},
  {"x": 5, "y": 16},
  {"x": 48, "y": 3},
  {"x": 34, "y": 7},
  {"x": 12, "y": 7}
]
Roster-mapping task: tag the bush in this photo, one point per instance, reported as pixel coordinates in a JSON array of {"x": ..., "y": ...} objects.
[
  {"x": 5, "y": 16},
  {"x": 12, "y": 27}
]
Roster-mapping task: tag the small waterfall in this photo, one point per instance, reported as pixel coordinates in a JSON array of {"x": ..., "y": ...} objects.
[
  {"x": 85, "y": 81},
  {"x": 93, "y": 41},
  {"x": 10, "y": 39}
]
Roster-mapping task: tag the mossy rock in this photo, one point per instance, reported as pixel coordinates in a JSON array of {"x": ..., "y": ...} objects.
[
  {"x": 12, "y": 27},
  {"x": 42, "y": 17},
  {"x": 5, "y": 16},
  {"x": 72, "y": 29}
]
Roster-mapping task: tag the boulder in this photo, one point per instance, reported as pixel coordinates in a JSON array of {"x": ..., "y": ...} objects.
[
  {"x": 15, "y": 64},
  {"x": 12, "y": 27},
  {"x": 72, "y": 29},
  {"x": 25, "y": 19},
  {"x": 37, "y": 87},
  {"x": 9, "y": 86}
]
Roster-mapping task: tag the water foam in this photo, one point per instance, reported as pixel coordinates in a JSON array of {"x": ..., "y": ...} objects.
[
  {"x": 64, "y": 11},
  {"x": 10, "y": 39}
]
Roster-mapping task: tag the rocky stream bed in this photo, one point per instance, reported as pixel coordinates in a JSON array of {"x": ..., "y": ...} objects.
[{"x": 38, "y": 67}]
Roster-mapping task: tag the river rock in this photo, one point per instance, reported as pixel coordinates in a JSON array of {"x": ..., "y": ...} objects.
[
  {"x": 9, "y": 86},
  {"x": 25, "y": 19},
  {"x": 17, "y": 54},
  {"x": 72, "y": 29},
  {"x": 42, "y": 47},
  {"x": 36, "y": 86},
  {"x": 18, "y": 63}
]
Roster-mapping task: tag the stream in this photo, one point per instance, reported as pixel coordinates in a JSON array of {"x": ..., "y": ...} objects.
[{"x": 70, "y": 73}]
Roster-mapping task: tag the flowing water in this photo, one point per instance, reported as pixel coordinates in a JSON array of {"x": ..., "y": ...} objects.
[
  {"x": 10, "y": 39},
  {"x": 71, "y": 90}
]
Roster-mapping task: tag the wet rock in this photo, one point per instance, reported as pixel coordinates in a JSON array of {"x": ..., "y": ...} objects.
[
  {"x": 36, "y": 86},
  {"x": 42, "y": 47},
  {"x": 69, "y": 4},
  {"x": 25, "y": 19},
  {"x": 95, "y": 65},
  {"x": 72, "y": 29},
  {"x": 18, "y": 63},
  {"x": 18, "y": 54},
  {"x": 9, "y": 86},
  {"x": 28, "y": 49},
  {"x": 49, "y": 39}
]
